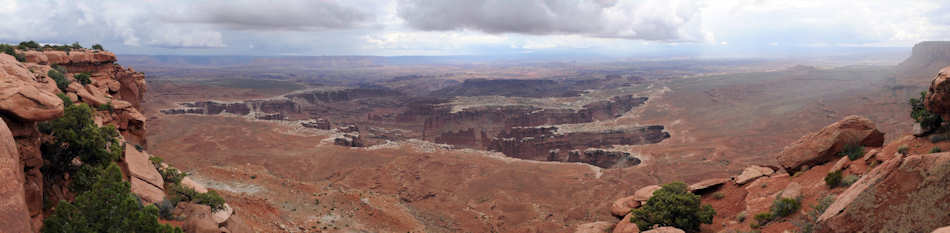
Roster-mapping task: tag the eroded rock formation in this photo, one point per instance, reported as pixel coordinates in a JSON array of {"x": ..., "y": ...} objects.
[{"x": 824, "y": 145}]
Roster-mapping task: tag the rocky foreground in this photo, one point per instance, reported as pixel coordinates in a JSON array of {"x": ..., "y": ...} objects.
[
  {"x": 897, "y": 187},
  {"x": 29, "y": 94}
]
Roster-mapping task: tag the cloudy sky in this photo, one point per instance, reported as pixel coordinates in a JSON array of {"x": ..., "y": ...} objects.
[{"x": 474, "y": 27}]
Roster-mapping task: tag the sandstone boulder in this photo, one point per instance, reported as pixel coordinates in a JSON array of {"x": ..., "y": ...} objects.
[
  {"x": 823, "y": 146},
  {"x": 236, "y": 224},
  {"x": 665, "y": 230},
  {"x": 623, "y": 206},
  {"x": 841, "y": 164},
  {"x": 222, "y": 215},
  {"x": 644, "y": 194},
  {"x": 937, "y": 99},
  {"x": 792, "y": 190},
  {"x": 751, "y": 173},
  {"x": 139, "y": 166},
  {"x": 625, "y": 226},
  {"x": 594, "y": 227},
  {"x": 14, "y": 214},
  {"x": 901, "y": 195},
  {"x": 20, "y": 97},
  {"x": 147, "y": 192},
  {"x": 707, "y": 184},
  {"x": 945, "y": 229},
  {"x": 197, "y": 218}
]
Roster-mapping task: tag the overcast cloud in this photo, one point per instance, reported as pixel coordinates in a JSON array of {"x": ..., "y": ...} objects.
[{"x": 450, "y": 27}]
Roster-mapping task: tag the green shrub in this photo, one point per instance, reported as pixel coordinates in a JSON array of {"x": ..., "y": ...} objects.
[
  {"x": 849, "y": 180},
  {"x": 920, "y": 114},
  {"x": 807, "y": 223},
  {"x": 83, "y": 78},
  {"x": 718, "y": 195},
  {"x": 761, "y": 219},
  {"x": 10, "y": 50},
  {"x": 179, "y": 193},
  {"x": 783, "y": 207},
  {"x": 66, "y": 101},
  {"x": 109, "y": 206},
  {"x": 902, "y": 150},
  {"x": 741, "y": 216},
  {"x": 98, "y": 47},
  {"x": 853, "y": 151},
  {"x": 165, "y": 209},
  {"x": 61, "y": 82},
  {"x": 75, "y": 134},
  {"x": 172, "y": 175},
  {"x": 105, "y": 107},
  {"x": 936, "y": 149},
  {"x": 27, "y": 45},
  {"x": 75, "y": 45},
  {"x": 673, "y": 205},
  {"x": 833, "y": 179}
]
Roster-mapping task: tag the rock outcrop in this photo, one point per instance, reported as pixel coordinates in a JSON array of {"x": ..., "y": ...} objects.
[
  {"x": 901, "y": 195},
  {"x": 824, "y": 145},
  {"x": 623, "y": 206},
  {"x": 937, "y": 99},
  {"x": 594, "y": 227},
  {"x": 14, "y": 215},
  {"x": 751, "y": 173},
  {"x": 626, "y": 226}
]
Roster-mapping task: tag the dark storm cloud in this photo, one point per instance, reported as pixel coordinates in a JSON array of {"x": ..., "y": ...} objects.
[
  {"x": 647, "y": 20},
  {"x": 296, "y": 15}
]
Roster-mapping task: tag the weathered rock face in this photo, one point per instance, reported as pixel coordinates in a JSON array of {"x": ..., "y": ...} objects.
[
  {"x": 625, "y": 226},
  {"x": 937, "y": 99},
  {"x": 546, "y": 144},
  {"x": 623, "y": 206},
  {"x": 14, "y": 215},
  {"x": 644, "y": 194},
  {"x": 198, "y": 218},
  {"x": 28, "y": 95},
  {"x": 146, "y": 181},
  {"x": 707, "y": 184},
  {"x": 824, "y": 145},
  {"x": 594, "y": 227},
  {"x": 751, "y": 173},
  {"x": 901, "y": 195},
  {"x": 665, "y": 230}
]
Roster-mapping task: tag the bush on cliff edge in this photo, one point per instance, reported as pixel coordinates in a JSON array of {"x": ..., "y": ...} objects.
[{"x": 673, "y": 205}]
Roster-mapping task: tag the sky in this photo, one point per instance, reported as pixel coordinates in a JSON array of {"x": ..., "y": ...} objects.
[{"x": 476, "y": 27}]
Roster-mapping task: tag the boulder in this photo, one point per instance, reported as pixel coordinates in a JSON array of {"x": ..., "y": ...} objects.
[
  {"x": 665, "y": 230},
  {"x": 824, "y": 145},
  {"x": 625, "y": 226},
  {"x": 841, "y": 164},
  {"x": 197, "y": 218},
  {"x": 792, "y": 190},
  {"x": 20, "y": 96},
  {"x": 623, "y": 206},
  {"x": 222, "y": 215},
  {"x": 644, "y": 194},
  {"x": 937, "y": 99},
  {"x": 236, "y": 224},
  {"x": 751, "y": 173},
  {"x": 189, "y": 183},
  {"x": 139, "y": 166},
  {"x": 945, "y": 229},
  {"x": 707, "y": 184},
  {"x": 147, "y": 192},
  {"x": 901, "y": 195},
  {"x": 593, "y": 227},
  {"x": 14, "y": 214}
]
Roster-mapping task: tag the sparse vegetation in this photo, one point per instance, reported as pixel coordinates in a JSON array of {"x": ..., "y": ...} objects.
[
  {"x": 10, "y": 50},
  {"x": 66, "y": 101},
  {"x": 939, "y": 137},
  {"x": 936, "y": 149},
  {"x": 673, "y": 206},
  {"x": 61, "y": 82},
  {"x": 853, "y": 151},
  {"x": 172, "y": 175},
  {"x": 807, "y": 223},
  {"x": 781, "y": 207},
  {"x": 833, "y": 179},
  {"x": 920, "y": 114},
  {"x": 902, "y": 150},
  {"x": 104, "y": 202},
  {"x": 98, "y": 47},
  {"x": 741, "y": 216},
  {"x": 179, "y": 193},
  {"x": 27, "y": 45},
  {"x": 718, "y": 195},
  {"x": 83, "y": 78},
  {"x": 109, "y": 206},
  {"x": 105, "y": 107}
]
